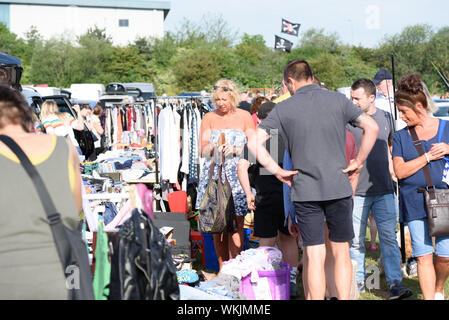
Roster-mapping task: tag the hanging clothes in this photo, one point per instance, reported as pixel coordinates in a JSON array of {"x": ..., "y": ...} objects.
[
  {"x": 186, "y": 137},
  {"x": 194, "y": 152},
  {"x": 102, "y": 274},
  {"x": 119, "y": 125},
  {"x": 169, "y": 144}
]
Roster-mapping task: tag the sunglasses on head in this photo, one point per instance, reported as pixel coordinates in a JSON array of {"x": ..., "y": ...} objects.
[{"x": 222, "y": 88}]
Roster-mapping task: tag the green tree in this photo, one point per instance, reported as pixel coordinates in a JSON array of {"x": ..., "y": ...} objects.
[
  {"x": 437, "y": 52},
  {"x": 251, "y": 55},
  {"x": 328, "y": 69},
  {"x": 197, "y": 69},
  {"x": 53, "y": 63},
  {"x": 408, "y": 48},
  {"x": 318, "y": 39},
  {"x": 127, "y": 65},
  {"x": 11, "y": 44},
  {"x": 93, "y": 56}
]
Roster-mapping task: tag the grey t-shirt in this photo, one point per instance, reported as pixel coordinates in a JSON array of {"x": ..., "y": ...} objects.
[
  {"x": 375, "y": 178},
  {"x": 312, "y": 124}
]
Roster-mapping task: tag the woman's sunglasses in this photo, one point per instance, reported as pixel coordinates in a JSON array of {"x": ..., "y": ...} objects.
[{"x": 223, "y": 88}]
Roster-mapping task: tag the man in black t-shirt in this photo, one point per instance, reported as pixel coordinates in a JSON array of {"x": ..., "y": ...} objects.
[{"x": 268, "y": 203}]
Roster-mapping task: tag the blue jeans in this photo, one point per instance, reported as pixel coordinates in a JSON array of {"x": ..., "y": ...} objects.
[
  {"x": 422, "y": 243},
  {"x": 384, "y": 212}
]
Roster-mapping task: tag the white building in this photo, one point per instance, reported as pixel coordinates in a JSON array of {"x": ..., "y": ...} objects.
[{"x": 123, "y": 20}]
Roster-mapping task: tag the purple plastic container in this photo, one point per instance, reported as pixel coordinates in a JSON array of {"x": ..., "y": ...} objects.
[{"x": 278, "y": 281}]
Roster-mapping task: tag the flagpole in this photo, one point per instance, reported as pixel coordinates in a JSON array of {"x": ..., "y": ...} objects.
[{"x": 401, "y": 224}]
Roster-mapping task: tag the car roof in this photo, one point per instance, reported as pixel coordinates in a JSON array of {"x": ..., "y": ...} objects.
[
  {"x": 144, "y": 87},
  {"x": 8, "y": 60}
]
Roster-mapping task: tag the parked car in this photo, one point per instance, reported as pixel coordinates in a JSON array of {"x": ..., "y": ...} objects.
[
  {"x": 33, "y": 98},
  {"x": 443, "y": 109},
  {"x": 47, "y": 91},
  {"x": 146, "y": 89},
  {"x": 14, "y": 67},
  {"x": 116, "y": 93}
]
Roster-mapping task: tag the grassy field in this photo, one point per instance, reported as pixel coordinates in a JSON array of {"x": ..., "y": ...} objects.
[
  {"x": 376, "y": 294},
  {"x": 382, "y": 293}
]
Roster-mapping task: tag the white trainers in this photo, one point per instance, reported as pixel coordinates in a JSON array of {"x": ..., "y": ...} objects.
[{"x": 439, "y": 296}]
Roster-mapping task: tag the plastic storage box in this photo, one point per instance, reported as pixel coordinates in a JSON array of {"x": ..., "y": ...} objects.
[{"x": 278, "y": 283}]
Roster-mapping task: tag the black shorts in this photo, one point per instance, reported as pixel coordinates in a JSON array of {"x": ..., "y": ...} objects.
[
  {"x": 337, "y": 214},
  {"x": 269, "y": 215}
]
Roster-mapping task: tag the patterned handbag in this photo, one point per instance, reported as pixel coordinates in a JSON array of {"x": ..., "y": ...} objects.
[{"x": 216, "y": 211}]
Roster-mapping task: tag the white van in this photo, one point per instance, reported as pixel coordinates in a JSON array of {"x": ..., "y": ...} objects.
[
  {"x": 47, "y": 91},
  {"x": 87, "y": 91}
]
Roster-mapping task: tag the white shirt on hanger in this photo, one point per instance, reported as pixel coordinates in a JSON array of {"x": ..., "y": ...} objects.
[{"x": 169, "y": 144}]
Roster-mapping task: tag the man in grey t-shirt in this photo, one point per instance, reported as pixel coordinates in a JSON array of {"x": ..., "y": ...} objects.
[
  {"x": 375, "y": 193},
  {"x": 312, "y": 125}
]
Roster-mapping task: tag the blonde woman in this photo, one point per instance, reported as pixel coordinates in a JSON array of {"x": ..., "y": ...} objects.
[
  {"x": 60, "y": 123},
  {"x": 236, "y": 124}
]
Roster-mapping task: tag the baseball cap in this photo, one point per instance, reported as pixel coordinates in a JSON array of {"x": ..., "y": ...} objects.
[
  {"x": 265, "y": 109},
  {"x": 381, "y": 75}
]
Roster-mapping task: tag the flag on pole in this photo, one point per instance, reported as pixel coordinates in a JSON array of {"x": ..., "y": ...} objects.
[
  {"x": 290, "y": 27},
  {"x": 282, "y": 44}
]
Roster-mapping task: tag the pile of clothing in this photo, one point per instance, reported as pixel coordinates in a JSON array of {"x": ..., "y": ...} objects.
[
  {"x": 228, "y": 284},
  {"x": 131, "y": 163}
]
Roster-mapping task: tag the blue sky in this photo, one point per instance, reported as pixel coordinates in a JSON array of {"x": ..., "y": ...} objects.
[{"x": 355, "y": 21}]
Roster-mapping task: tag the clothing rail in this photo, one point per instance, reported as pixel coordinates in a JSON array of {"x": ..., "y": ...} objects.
[
  {"x": 155, "y": 98},
  {"x": 179, "y": 97}
]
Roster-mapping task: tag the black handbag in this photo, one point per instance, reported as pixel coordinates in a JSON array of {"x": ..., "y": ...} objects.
[
  {"x": 437, "y": 200},
  {"x": 71, "y": 249},
  {"x": 85, "y": 141}
]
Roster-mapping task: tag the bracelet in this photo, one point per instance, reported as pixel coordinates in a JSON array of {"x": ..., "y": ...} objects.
[{"x": 427, "y": 158}]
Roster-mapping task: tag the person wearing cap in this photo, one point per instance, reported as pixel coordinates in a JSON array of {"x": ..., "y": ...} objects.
[
  {"x": 312, "y": 125},
  {"x": 268, "y": 204},
  {"x": 385, "y": 95}
]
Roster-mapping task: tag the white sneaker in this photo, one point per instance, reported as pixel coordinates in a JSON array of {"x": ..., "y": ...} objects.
[{"x": 439, "y": 296}]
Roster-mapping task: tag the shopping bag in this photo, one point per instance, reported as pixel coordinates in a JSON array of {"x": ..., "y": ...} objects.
[{"x": 217, "y": 211}]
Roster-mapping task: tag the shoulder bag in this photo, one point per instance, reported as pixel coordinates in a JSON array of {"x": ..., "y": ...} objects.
[
  {"x": 437, "y": 200},
  {"x": 217, "y": 211},
  {"x": 71, "y": 249}
]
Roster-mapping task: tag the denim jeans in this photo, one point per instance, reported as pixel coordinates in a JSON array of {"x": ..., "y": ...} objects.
[{"x": 384, "y": 210}]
